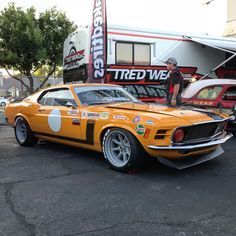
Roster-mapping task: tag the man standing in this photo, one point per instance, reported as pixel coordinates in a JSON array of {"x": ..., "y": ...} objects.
[{"x": 174, "y": 83}]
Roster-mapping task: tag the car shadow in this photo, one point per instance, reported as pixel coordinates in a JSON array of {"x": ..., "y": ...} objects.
[{"x": 78, "y": 159}]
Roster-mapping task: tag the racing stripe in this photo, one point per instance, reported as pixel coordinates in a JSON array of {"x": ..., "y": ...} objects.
[
  {"x": 90, "y": 131},
  {"x": 89, "y": 135}
]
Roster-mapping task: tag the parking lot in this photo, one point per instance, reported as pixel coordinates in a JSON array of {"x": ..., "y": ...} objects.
[{"x": 51, "y": 189}]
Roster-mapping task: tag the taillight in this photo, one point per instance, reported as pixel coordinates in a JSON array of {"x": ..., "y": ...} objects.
[{"x": 179, "y": 135}]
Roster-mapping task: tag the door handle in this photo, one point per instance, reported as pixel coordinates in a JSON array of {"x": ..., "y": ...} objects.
[{"x": 41, "y": 109}]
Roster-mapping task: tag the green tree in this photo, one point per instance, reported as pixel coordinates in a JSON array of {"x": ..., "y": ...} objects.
[{"x": 28, "y": 43}]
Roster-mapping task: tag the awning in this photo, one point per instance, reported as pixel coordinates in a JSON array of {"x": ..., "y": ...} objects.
[{"x": 223, "y": 44}]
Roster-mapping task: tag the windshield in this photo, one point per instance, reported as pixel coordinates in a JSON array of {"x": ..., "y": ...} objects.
[{"x": 92, "y": 95}]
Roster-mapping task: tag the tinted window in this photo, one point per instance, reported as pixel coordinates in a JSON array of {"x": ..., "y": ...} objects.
[
  {"x": 209, "y": 93},
  {"x": 57, "y": 98},
  {"x": 102, "y": 95}
]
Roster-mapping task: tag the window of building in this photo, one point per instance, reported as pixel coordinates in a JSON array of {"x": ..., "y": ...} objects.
[
  {"x": 133, "y": 53},
  {"x": 124, "y": 53}
]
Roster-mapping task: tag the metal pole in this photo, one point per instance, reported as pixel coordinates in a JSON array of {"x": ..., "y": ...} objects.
[{"x": 218, "y": 66}]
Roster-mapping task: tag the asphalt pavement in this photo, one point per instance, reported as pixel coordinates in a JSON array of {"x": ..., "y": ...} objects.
[
  {"x": 2, "y": 117},
  {"x": 51, "y": 189}
]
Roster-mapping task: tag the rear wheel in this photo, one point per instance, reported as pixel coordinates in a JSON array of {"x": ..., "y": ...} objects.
[
  {"x": 122, "y": 150},
  {"x": 23, "y": 133},
  {"x": 3, "y": 104}
]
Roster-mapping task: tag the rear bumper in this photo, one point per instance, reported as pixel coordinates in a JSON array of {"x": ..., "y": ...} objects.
[{"x": 222, "y": 140}]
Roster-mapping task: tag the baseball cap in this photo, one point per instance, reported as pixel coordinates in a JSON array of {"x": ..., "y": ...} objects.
[{"x": 171, "y": 60}]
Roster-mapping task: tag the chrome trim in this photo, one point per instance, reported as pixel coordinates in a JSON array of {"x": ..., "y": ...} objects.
[
  {"x": 200, "y": 123},
  {"x": 188, "y": 147}
]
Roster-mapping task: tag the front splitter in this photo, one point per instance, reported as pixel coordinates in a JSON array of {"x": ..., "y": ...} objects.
[{"x": 182, "y": 163}]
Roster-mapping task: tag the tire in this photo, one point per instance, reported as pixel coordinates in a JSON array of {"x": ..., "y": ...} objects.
[
  {"x": 3, "y": 104},
  {"x": 122, "y": 150},
  {"x": 23, "y": 133}
]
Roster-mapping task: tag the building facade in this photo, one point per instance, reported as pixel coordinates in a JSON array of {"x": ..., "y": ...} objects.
[{"x": 230, "y": 29}]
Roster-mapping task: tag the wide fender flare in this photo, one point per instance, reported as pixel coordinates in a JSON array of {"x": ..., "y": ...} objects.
[
  {"x": 121, "y": 126},
  {"x": 21, "y": 115}
]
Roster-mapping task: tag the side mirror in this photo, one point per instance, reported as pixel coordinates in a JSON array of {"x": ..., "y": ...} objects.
[{"x": 70, "y": 104}]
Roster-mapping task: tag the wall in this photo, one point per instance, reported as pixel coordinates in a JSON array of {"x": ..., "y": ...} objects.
[{"x": 230, "y": 29}]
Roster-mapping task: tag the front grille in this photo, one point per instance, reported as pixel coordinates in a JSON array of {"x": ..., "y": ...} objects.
[{"x": 202, "y": 131}]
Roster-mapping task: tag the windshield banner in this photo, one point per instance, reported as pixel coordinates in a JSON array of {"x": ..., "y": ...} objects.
[{"x": 98, "y": 43}]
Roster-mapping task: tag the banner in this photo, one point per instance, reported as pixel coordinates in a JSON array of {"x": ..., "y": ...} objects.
[{"x": 98, "y": 44}]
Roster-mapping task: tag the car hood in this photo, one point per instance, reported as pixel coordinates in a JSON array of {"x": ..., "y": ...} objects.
[{"x": 192, "y": 116}]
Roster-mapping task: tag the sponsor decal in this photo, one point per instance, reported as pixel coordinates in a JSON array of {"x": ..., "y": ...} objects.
[
  {"x": 98, "y": 47},
  {"x": 127, "y": 75},
  {"x": 95, "y": 115},
  {"x": 90, "y": 115},
  {"x": 142, "y": 74},
  {"x": 73, "y": 59},
  {"x": 104, "y": 115},
  {"x": 76, "y": 121},
  {"x": 136, "y": 119},
  {"x": 119, "y": 117},
  {"x": 140, "y": 129},
  {"x": 73, "y": 112},
  {"x": 202, "y": 103},
  {"x": 150, "y": 122}
]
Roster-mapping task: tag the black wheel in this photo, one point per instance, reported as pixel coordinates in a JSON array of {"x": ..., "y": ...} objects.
[
  {"x": 122, "y": 150},
  {"x": 23, "y": 133}
]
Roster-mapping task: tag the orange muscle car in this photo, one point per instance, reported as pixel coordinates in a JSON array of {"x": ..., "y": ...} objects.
[{"x": 108, "y": 119}]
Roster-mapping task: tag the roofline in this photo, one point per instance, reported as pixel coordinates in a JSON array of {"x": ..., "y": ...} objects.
[{"x": 157, "y": 31}]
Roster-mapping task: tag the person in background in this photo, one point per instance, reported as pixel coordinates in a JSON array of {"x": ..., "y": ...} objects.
[{"x": 174, "y": 84}]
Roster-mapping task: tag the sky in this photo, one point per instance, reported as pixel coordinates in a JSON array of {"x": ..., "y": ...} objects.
[{"x": 187, "y": 16}]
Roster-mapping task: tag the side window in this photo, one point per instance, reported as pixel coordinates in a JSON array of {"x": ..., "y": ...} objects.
[
  {"x": 230, "y": 94},
  {"x": 42, "y": 98},
  {"x": 58, "y": 97},
  {"x": 209, "y": 93},
  {"x": 128, "y": 53}
]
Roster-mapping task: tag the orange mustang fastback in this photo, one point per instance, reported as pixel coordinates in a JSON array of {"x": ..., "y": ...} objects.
[{"x": 108, "y": 119}]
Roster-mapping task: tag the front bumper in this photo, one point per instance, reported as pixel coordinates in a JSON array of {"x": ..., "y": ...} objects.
[
  {"x": 192, "y": 160},
  {"x": 208, "y": 144}
]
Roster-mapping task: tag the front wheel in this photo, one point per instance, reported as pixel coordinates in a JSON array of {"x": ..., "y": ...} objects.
[
  {"x": 23, "y": 133},
  {"x": 122, "y": 150}
]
